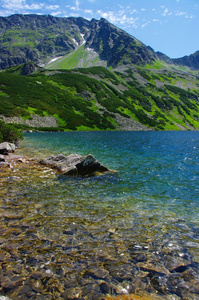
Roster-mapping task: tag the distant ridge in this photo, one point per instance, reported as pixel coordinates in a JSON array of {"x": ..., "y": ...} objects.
[{"x": 191, "y": 61}]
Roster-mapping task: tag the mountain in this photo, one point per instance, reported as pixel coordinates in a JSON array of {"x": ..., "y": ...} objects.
[
  {"x": 39, "y": 39},
  {"x": 75, "y": 74},
  {"x": 191, "y": 61},
  {"x": 44, "y": 39}
]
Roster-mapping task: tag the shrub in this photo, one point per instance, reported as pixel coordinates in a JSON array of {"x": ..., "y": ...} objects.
[
  {"x": 9, "y": 133},
  {"x": 1, "y": 137}
]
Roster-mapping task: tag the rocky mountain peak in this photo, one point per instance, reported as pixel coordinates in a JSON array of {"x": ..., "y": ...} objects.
[
  {"x": 37, "y": 38},
  {"x": 40, "y": 38}
]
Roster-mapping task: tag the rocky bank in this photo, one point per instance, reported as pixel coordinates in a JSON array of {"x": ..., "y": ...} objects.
[
  {"x": 33, "y": 121},
  {"x": 72, "y": 165},
  {"x": 125, "y": 124}
]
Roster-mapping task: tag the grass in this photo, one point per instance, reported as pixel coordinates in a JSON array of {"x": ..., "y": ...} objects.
[
  {"x": 78, "y": 58},
  {"x": 157, "y": 65}
]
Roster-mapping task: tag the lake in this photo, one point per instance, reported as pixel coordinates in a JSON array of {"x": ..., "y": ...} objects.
[{"x": 133, "y": 231}]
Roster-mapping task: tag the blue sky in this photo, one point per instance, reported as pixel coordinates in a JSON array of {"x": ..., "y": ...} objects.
[{"x": 169, "y": 26}]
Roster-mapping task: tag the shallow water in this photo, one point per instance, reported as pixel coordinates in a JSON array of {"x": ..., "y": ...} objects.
[{"x": 133, "y": 231}]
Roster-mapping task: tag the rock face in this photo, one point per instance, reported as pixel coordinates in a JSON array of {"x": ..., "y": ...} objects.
[
  {"x": 74, "y": 164},
  {"x": 28, "y": 69},
  {"x": 61, "y": 36},
  {"x": 6, "y": 148},
  {"x": 41, "y": 38},
  {"x": 128, "y": 124},
  {"x": 191, "y": 61}
]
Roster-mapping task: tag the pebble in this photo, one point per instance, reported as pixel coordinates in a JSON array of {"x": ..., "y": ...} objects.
[{"x": 2, "y": 158}]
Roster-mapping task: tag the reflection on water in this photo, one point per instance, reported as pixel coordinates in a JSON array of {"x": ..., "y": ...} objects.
[{"x": 130, "y": 232}]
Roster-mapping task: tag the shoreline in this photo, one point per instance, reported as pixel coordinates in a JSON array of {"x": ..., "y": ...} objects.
[{"x": 71, "y": 165}]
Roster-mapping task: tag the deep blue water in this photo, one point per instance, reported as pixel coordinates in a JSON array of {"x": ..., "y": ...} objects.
[{"x": 155, "y": 188}]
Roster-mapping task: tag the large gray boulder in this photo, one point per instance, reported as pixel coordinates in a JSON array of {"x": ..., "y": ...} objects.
[
  {"x": 74, "y": 164},
  {"x": 6, "y": 148}
]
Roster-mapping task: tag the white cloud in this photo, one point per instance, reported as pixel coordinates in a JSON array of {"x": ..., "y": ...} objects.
[
  {"x": 20, "y": 6},
  {"x": 184, "y": 14},
  {"x": 9, "y": 7},
  {"x": 57, "y": 13},
  {"x": 102, "y": 14},
  {"x": 120, "y": 17},
  {"x": 34, "y": 6},
  {"x": 74, "y": 15},
  {"x": 76, "y": 7},
  {"x": 133, "y": 11},
  {"x": 88, "y": 11},
  {"x": 13, "y": 4},
  {"x": 165, "y": 12},
  {"x": 181, "y": 13},
  {"x": 145, "y": 24},
  {"x": 127, "y": 10},
  {"x": 77, "y": 4},
  {"x": 52, "y": 7}
]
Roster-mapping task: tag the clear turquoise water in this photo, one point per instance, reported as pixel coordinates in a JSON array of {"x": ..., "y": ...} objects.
[
  {"x": 131, "y": 231},
  {"x": 155, "y": 188}
]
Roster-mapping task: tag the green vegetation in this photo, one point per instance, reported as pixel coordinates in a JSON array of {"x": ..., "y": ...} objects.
[
  {"x": 81, "y": 57},
  {"x": 89, "y": 98},
  {"x": 126, "y": 77},
  {"x": 9, "y": 133}
]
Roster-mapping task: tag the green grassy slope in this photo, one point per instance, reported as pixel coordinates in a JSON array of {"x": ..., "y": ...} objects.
[
  {"x": 89, "y": 98},
  {"x": 80, "y": 58}
]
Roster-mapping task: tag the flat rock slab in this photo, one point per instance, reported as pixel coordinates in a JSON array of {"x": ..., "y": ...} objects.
[{"x": 74, "y": 164}]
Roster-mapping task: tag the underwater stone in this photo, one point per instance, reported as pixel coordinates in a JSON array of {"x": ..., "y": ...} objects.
[
  {"x": 2, "y": 158},
  {"x": 12, "y": 283},
  {"x": 72, "y": 293}
]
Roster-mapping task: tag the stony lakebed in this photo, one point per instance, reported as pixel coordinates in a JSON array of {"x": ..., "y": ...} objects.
[{"x": 67, "y": 249}]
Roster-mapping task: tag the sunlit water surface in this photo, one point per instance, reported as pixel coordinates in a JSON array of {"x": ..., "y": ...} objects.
[{"x": 142, "y": 218}]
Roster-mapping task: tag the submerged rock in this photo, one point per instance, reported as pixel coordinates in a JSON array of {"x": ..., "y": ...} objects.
[
  {"x": 6, "y": 148},
  {"x": 74, "y": 164},
  {"x": 2, "y": 158}
]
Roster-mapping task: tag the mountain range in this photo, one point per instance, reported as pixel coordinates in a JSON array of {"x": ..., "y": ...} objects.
[
  {"x": 39, "y": 39},
  {"x": 91, "y": 75}
]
